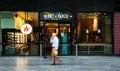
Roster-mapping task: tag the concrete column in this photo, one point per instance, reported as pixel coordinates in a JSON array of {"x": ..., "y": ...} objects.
[
  {"x": 0, "y": 37},
  {"x": 108, "y": 34}
]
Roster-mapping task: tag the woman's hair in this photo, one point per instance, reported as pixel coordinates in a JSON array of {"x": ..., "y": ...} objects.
[{"x": 53, "y": 34}]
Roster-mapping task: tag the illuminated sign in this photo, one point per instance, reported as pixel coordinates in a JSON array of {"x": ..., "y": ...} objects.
[
  {"x": 26, "y": 28},
  {"x": 56, "y": 16}
]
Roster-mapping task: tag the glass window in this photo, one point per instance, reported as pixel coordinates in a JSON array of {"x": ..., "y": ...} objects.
[
  {"x": 95, "y": 28},
  {"x": 15, "y": 42}
]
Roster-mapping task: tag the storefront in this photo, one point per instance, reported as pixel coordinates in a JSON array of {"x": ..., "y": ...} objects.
[
  {"x": 84, "y": 27},
  {"x": 80, "y": 33}
]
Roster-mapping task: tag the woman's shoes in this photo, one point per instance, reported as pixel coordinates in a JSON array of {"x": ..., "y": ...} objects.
[{"x": 53, "y": 63}]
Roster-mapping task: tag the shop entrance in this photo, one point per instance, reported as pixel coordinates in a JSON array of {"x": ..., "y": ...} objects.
[{"x": 63, "y": 31}]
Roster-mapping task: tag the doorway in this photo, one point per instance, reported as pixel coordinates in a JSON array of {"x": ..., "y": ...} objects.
[{"x": 63, "y": 31}]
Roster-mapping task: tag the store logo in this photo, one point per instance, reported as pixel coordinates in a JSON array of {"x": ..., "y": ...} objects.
[
  {"x": 26, "y": 28},
  {"x": 57, "y": 16}
]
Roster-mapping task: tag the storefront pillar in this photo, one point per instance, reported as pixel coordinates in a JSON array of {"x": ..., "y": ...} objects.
[
  {"x": 0, "y": 38},
  {"x": 7, "y": 21}
]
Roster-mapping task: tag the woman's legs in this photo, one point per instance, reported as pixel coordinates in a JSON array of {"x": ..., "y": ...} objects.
[{"x": 55, "y": 55}]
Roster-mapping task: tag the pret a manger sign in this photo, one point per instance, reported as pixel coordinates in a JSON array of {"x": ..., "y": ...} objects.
[{"x": 26, "y": 28}]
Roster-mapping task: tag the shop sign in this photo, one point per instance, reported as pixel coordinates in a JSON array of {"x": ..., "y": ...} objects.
[
  {"x": 26, "y": 28},
  {"x": 56, "y": 16}
]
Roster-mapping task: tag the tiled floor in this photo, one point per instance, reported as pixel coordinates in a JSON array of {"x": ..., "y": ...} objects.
[{"x": 69, "y": 63}]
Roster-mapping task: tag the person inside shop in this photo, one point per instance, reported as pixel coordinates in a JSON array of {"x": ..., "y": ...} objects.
[{"x": 55, "y": 46}]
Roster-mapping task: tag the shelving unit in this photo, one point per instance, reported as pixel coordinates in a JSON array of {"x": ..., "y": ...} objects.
[
  {"x": 16, "y": 42},
  {"x": 16, "y": 37}
]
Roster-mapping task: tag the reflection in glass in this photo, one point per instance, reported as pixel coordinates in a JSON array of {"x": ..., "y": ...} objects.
[{"x": 21, "y": 63}]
